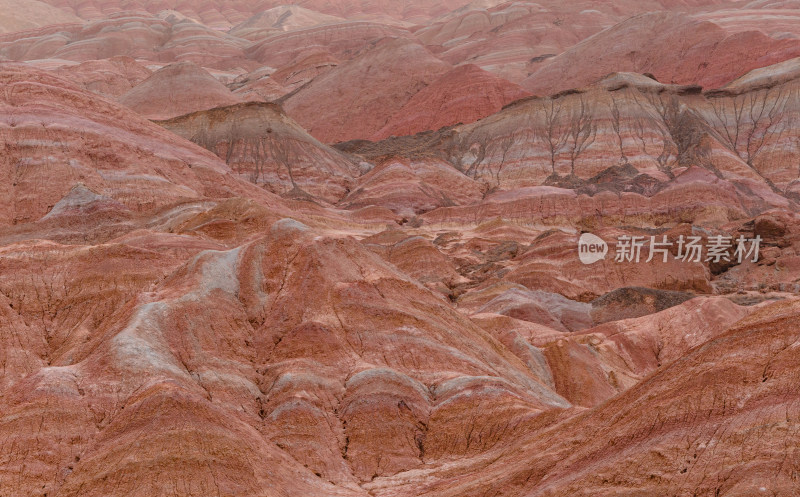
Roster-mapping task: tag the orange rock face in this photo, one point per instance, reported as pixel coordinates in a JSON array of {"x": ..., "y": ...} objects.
[{"x": 336, "y": 249}]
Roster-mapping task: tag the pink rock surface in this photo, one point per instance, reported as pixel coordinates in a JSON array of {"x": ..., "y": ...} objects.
[
  {"x": 263, "y": 145},
  {"x": 20, "y": 15},
  {"x": 462, "y": 95},
  {"x": 371, "y": 89},
  {"x": 256, "y": 86},
  {"x": 109, "y": 77},
  {"x": 133, "y": 34},
  {"x": 175, "y": 90},
  {"x": 513, "y": 39},
  {"x": 279, "y": 19},
  {"x": 220, "y": 303},
  {"x": 705, "y": 56},
  {"x": 224, "y": 13},
  {"x": 410, "y": 187},
  {"x": 304, "y": 68},
  {"x": 341, "y": 40},
  {"x": 644, "y": 438},
  {"x": 58, "y": 135}
]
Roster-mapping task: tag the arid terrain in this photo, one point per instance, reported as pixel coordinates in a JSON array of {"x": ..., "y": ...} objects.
[{"x": 338, "y": 248}]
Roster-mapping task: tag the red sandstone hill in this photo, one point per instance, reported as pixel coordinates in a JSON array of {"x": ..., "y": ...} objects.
[
  {"x": 225, "y": 13},
  {"x": 706, "y": 54},
  {"x": 369, "y": 88},
  {"x": 513, "y": 39},
  {"x": 462, "y": 95},
  {"x": 263, "y": 145},
  {"x": 644, "y": 441},
  {"x": 20, "y": 15},
  {"x": 57, "y": 135},
  {"x": 339, "y": 41},
  {"x": 133, "y": 34},
  {"x": 282, "y": 18},
  {"x": 175, "y": 90},
  {"x": 108, "y": 77}
]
